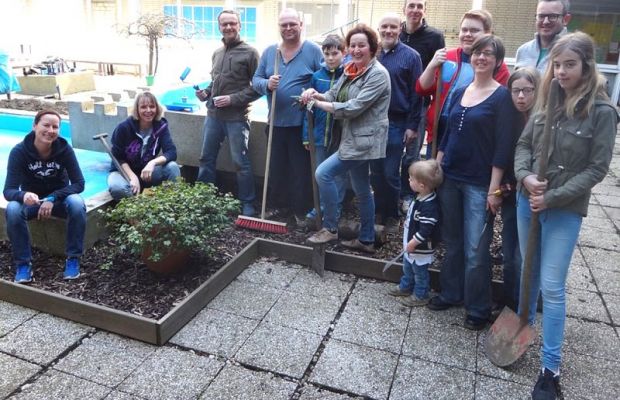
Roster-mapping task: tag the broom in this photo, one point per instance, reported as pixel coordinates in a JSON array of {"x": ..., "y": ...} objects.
[{"x": 262, "y": 224}]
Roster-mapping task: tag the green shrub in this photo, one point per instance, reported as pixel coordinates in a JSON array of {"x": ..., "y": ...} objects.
[{"x": 173, "y": 215}]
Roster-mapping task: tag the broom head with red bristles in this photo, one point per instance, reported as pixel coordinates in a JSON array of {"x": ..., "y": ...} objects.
[{"x": 259, "y": 224}]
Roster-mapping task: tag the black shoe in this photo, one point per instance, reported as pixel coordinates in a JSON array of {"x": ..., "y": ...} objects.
[
  {"x": 437, "y": 304},
  {"x": 475, "y": 323},
  {"x": 547, "y": 387}
]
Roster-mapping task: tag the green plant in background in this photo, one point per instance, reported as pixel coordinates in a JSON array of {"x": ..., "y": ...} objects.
[{"x": 172, "y": 216}]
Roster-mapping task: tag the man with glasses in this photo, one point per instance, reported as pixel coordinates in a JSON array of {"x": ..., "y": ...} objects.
[
  {"x": 298, "y": 59},
  {"x": 552, "y": 16}
]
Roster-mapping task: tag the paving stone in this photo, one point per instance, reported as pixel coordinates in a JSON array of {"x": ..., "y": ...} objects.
[
  {"x": 607, "y": 187},
  {"x": 215, "y": 332},
  {"x": 238, "y": 383},
  {"x": 596, "y": 211},
  {"x": 331, "y": 284},
  {"x": 279, "y": 349},
  {"x": 373, "y": 294},
  {"x": 613, "y": 305},
  {"x": 42, "y": 338},
  {"x": 613, "y": 213},
  {"x": 579, "y": 276},
  {"x": 304, "y": 312},
  {"x": 419, "y": 379},
  {"x": 246, "y": 299},
  {"x": 591, "y": 338},
  {"x": 55, "y": 385},
  {"x": 593, "y": 237},
  {"x": 602, "y": 224},
  {"x": 273, "y": 273},
  {"x": 105, "y": 358},
  {"x": 601, "y": 259},
  {"x": 608, "y": 200},
  {"x": 115, "y": 395},
  {"x": 607, "y": 281},
  {"x": 523, "y": 371},
  {"x": 589, "y": 378},
  {"x": 587, "y": 305},
  {"x": 421, "y": 316},
  {"x": 12, "y": 315},
  {"x": 493, "y": 389},
  {"x": 450, "y": 345},
  {"x": 370, "y": 327},
  {"x": 358, "y": 370},
  {"x": 172, "y": 374},
  {"x": 14, "y": 373},
  {"x": 311, "y": 392}
]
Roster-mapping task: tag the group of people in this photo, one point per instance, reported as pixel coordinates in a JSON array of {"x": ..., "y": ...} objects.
[{"x": 373, "y": 97}]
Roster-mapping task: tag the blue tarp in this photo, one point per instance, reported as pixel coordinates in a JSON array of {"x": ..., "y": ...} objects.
[{"x": 8, "y": 80}]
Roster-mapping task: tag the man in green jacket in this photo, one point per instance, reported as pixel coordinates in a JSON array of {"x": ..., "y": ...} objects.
[{"x": 228, "y": 96}]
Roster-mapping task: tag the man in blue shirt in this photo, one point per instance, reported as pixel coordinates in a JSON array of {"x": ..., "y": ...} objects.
[
  {"x": 405, "y": 66},
  {"x": 290, "y": 163}
]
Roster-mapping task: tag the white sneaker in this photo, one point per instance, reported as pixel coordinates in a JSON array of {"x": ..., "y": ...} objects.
[{"x": 323, "y": 236}]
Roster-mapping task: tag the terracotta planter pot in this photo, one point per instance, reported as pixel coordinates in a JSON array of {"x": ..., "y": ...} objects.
[{"x": 171, "y": 263}]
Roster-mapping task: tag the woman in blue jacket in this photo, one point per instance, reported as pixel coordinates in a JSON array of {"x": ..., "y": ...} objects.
[
  {"x": 43, "y": 179},
  {"x": 136, "y": 144}
]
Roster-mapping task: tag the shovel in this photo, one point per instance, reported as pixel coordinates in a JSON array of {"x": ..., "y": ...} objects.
[{"x": 511, "y": 335}]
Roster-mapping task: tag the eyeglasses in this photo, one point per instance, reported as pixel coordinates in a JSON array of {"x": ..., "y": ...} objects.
[
  {"x": 526, "y": 91},
  {"x": 550, "y": 17},
  {"x": 486, "y": 53}
]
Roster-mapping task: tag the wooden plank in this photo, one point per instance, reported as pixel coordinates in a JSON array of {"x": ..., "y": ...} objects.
[
  {"x": 180, "y": 315},
  {"x": 106, "y": 318}
]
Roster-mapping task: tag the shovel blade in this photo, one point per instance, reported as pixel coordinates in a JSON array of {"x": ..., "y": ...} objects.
[{"x": 508, "y": 338}]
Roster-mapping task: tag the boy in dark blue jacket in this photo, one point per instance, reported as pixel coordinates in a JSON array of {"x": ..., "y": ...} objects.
[
  {"x": 326, "y": 131},
  {"x": 420, "y": 233},
  {"x": 43, "y": 179}
]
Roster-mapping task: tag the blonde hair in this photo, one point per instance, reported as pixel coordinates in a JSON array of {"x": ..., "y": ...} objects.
[
  {"x": 148, "y": 96},
  {"x": 592, "y": 84},
  {"x": 427, "y": 172},
  {"x": 485, "y": 17}
]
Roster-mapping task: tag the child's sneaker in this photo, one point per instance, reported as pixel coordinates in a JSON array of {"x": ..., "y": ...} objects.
[
  {"x": 72, "y": 269},
  {"x": 396, "y": 292},
  {"x": 23, "y": 273},
  {"x": 414, "y": 301}
]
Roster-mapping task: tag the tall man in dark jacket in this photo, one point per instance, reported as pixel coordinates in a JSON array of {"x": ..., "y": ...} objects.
[{"x": 228, "y": 96}]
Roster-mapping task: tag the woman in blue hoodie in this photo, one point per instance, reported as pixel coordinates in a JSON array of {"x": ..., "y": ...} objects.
[
  {"x": 136, "y": 144},
  {"x": 43, "y": 179}
]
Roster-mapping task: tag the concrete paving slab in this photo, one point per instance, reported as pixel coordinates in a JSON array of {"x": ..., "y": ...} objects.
[
  {"x": 56, "y": 385},
  {"x": 492, "y": 389},
  {"x": 304, "y": 312},
  {"x": 172, "y": 374},
  {"x": 370, "y": 327},
  {"x": 215, "y": 332},
  {"x": 524, "y": 371},
  {"x": 613, "y": 213},
  {"x": 238, "y": 383},
  {"x": 331, "y": 284},
  {"x": 311, "y": 392},
  {"x": 613, "y": 305},
  {"x": 608, "y": 200},
  {"x": 373, "y": 294},
  {"x": 601, "y": 259},
  {"x": 579, "y": 276},
  {"x": 602, "y": 224},
  {"x": 279, "y": 349},
  {"x": 419, "y": 379},
  {"x": 116, "y": 395},
  {"x": 587, "y": 305},
  {"x": 596, "y": 211},
  {"x": 589, "y": 378},
  {"x": 105, "y": 358},
  {"x": 42, "y": 338},
  {"x": 12, "y": 316},
  {"x": 591, "y": 339},
  {"x": 270, "y": 272},
  {"x": 451, "y": 345},
  {"x": 608, "y": 187},
  {"x": 597, "y": 238},
  {"x": 607, "y": 281},
  {"x": 454, "y": 316},
  {"x": 246, "y": 299},
  {"x": 359, "y": 370},
  {"x": 14, "y": 373}
]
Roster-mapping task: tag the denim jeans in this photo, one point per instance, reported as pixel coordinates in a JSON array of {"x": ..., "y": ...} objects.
[
  {"x": 466, "y": 268},
  {"x": 559, "y": 231},
  {"x": 415, "y": 279},
  {"x": 326, "y": 175},
  {"x": 341, "y": 182},
  {"x": 238, "y": 133},
  {"x": 511, "y": 253},
  {"x": 119, "y": 188},
  {"x": 385, "y": 172},
  {"x": 17, "y": 214}
]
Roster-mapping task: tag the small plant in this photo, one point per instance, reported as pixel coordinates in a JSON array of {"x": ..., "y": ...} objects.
[{"x": 172, "y": 216}]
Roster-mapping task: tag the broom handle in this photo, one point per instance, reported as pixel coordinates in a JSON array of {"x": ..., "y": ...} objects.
[
  {"x": 270, "y": 137},
  {"x": 534, "y": 231},
  {"x": 437, "y": 100}
]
